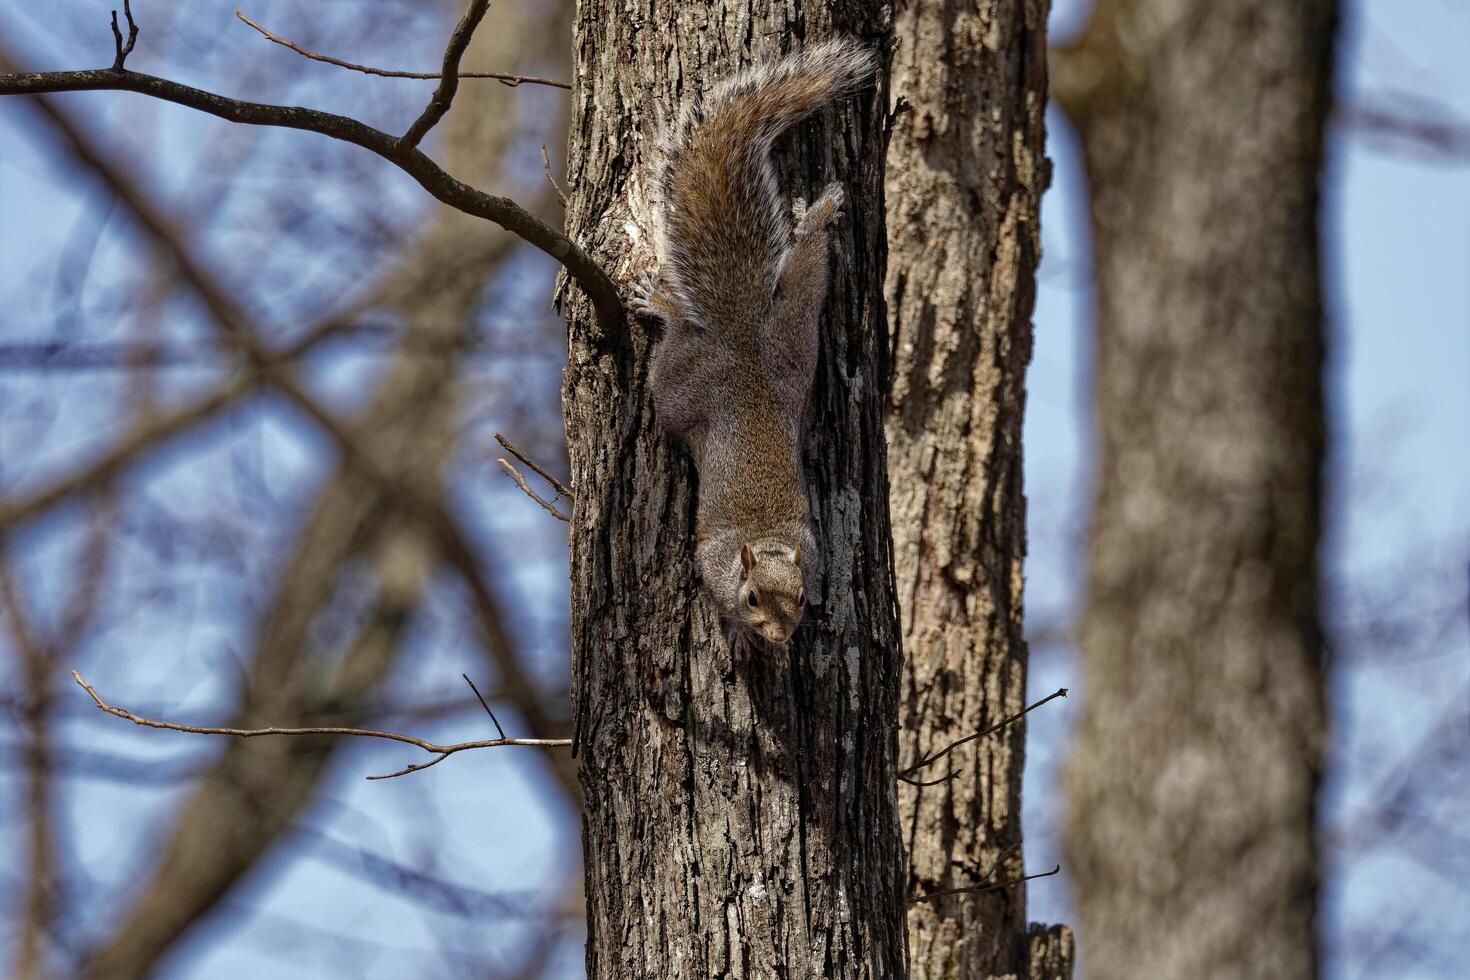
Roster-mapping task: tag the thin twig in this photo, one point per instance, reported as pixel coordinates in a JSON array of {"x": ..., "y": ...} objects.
[
  {"x": 1060, "y": 692},
  {"x": 975, "y": 889},
  {"x": 929, "y": 782},
  {"x": 515, "y": 475},
  {"x": 546, "y": 163},
  {"x": 995, "y": 865},
  {"x": 121, "y": 51},
  {"x": 981, "y": 878},
  {"x": 560, "y": 487},
  {"x": 440, "y": 752},
  {"x": 484, "y": 704},
  {"x": 510, "y": 81},
  {"x": 443, "y": 96}
]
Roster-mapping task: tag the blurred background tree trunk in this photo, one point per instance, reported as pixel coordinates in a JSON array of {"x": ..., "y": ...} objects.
[
  {"x": 966, "y": 170},
  {"x": 740, "y": 815},
  {"x": 1191, "y": 789}
]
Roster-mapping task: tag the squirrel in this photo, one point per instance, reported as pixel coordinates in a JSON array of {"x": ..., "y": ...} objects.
[{"x": 739, "y": 295}]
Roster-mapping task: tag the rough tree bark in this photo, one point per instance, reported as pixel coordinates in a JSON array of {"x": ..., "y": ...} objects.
[
  {"x": 1191, "y": 788},
  {"x": 740, "y": 814},
  {"x": 966, "y": 169}
]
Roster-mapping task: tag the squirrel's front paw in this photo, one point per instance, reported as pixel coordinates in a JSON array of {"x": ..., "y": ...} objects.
[
  {"x": 641, "y": 292},
  {"x": 646, "y": 298}
]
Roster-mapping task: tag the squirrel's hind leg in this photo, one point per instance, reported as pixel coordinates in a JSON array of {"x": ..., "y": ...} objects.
[
  {"x": 789, "y": 339},
  {"x": 827, "y": 209},
  {"x": 801, "y": 278}
]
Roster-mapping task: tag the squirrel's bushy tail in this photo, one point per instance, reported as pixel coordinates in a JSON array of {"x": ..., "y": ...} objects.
[{"x": 721, "y": 223}]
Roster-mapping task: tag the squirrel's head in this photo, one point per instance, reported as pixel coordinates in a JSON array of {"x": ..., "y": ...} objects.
[{"x": 772, "y": 595}]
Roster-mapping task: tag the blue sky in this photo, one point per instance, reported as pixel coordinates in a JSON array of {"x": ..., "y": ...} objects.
[{"x": 1397, "y": 230}]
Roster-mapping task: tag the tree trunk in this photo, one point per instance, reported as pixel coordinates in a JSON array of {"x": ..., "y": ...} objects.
[
  {"x": 741, "y": 815},
  {"x": 966, "y": 170},
  {"x": 1191, "y": 788}
]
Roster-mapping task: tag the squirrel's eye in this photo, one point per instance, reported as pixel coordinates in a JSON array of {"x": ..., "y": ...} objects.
[
  {"x": 801, "y": 598},
  {"x": 751, "y": 599}
]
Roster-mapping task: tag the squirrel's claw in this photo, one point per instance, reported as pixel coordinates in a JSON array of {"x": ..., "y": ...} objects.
[
  {"x": 640, "y": 295},
  {"x": 647, "y": 299}
]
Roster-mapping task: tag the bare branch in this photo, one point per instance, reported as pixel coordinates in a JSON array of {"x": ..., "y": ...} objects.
[
  {"x": 560, "y": 487},
  {"x": 484, "y": 704},
  {"x": 520, "y": 480},
  {"x": 915, "y": 900},
  {"x": 510, "y": 81},
  {"x": 440, "y": 752},
  {"x": 546, "y": 163},
  {"x": 1060, "y": 692},
  {"x": 121, "y": 50},
  {"x": 420, "y": 885},
  {"x": 443, "y": 96},
  {"x": 411, "y": 160},
  {"x": 515, "y": 475}
]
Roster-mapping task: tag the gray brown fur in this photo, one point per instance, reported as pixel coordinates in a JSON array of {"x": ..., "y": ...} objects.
[{"x": 740, "y": 295}]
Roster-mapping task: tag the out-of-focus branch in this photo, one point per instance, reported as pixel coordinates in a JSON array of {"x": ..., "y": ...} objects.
[
  {"x": 155, "y": 431},
  {"x": 403, "y": 152},
  {"x": 38, "y": 655},
  {"x": 257, "y": 785},
  {"x": 42, "y": 355},
  {"x": 440, "y": 752},
  {"x": 121, "y": 454},
  {"x": 430, "y": 890},
  {"x": 1435, "y": 135},
  {"x": 511, "y": 81},
  {"x": 110, "y": 767},
  {"x": 41, "y": 877},
  {"x": 238, "y": 329}
]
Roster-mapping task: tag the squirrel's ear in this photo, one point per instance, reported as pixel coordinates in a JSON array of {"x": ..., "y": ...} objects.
[
  {"x": 796, "y": 555},
  {"x": 747, "y": 559}
]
